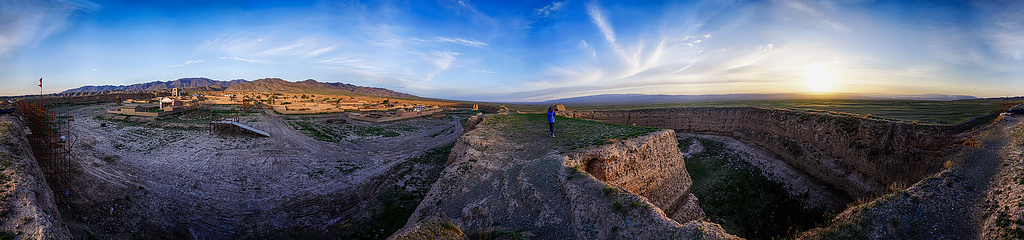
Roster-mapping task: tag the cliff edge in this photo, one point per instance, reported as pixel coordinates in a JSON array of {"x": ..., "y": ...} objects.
[
  {"x": 593, "y": 181},
  {"x": 860, "y": 155},
  {"x": 28, "y": 209}
]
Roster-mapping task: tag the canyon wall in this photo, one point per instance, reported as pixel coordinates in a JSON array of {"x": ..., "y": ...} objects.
[
  {"x": 859, "y": 155},
  {"x": 650, "y": 166},
  {"x": 500, "y": 181}
]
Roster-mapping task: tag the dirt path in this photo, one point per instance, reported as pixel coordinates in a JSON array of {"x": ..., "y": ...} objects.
[
  {"x": 139, "y": 181},
  {"x": 1001, "y": 214},
  {"x": 978, "y": 197}
]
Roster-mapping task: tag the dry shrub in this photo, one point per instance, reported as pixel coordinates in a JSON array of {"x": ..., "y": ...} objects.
[
  {"x": 971, "y": 142},
  {"x": 947, "y": 165},
  {"x": 858, "y": 201},
  {"x": 899, "y": 185}
]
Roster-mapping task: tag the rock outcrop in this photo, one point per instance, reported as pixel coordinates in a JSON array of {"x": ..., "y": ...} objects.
[
  {"x": 650, "y": 166},
  {"x": 630, "y": 188},
  {"x": 860, "y": 155}
]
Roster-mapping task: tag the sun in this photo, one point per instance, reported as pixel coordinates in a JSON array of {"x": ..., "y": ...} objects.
[{"x": 819, "y": 77}]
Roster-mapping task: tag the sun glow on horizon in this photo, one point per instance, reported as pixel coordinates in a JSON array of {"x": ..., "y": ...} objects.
[{"x": 819, "y": 77}]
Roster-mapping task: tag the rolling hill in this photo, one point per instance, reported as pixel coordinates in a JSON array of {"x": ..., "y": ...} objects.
[
  {"x": 156, "y": 85},
  {"x": 310, "y": 85}
]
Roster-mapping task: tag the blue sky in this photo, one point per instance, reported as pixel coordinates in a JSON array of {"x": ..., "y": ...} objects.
[{"x": 524, "y": 50}]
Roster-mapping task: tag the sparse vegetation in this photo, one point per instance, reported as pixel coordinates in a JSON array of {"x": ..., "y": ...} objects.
[
  {"x": 111, "y": 158},
  {"x": 6, "y": 235},
  {"x": 618, "y": 207},
  {"x": 573, "y": 171},
  {"x": 397, "y": 203},
  {"x": 5, "y": 161},
  {"x": 1011, "y": 227},
  {"x": 395, "y": 206},
  {"x": 570, "y": 133},
  {"x": 500, "y": 234},
  {"x": 611, "y": 191},
  {"x": 939, "y": 112},
  {"x": 733, "y": 193},
  {"x": 349, "y": 132}
]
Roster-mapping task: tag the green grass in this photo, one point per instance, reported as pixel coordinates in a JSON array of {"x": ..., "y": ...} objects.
[
  {"x": 940, "y": 112},
  {"x": 5, "y": 161},
  {"x": 319, "y": 131},
  {"x": 570, "y": 133},
  {"x": 396, "y": 204},
  {"x": 330, "y": 132},
  {"x": 6, "y": 235},
  {"x": 611, "y": 191},
  {"x": 734, "y": 194}
]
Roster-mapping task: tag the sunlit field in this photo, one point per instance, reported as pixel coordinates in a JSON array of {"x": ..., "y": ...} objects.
[{"x": 933, "y": 112}]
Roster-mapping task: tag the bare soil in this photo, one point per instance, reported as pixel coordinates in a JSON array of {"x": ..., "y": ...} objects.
[{"x": 144, "y": 181}]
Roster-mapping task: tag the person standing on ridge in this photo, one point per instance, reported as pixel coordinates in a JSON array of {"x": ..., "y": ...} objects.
[{"x": 551, "y": 122}]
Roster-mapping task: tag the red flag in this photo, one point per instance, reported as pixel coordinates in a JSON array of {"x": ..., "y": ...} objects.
[{"x": 40, "y": 82}]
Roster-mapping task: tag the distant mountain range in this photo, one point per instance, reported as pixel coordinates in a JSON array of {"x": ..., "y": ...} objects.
[
  {"x": 266, "y": 84},
  {"x": 651, "y": 99},
  {"x": 157, "y": 85},
  {"x": 310, "y": 85}
]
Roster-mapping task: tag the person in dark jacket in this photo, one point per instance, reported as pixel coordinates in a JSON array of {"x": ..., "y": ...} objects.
[{"x": 551, "y": 122}]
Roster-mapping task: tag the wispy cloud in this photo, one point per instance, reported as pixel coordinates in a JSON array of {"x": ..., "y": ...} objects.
[
  {"x": 549, "y": 9},
  {"x": 187, "y": 63},
  {"x": 587, "y": 48},
  {"x": 441, "y": 61},
  {"x": 268, "y": 46},
  {"x": 307, "y": 47},
  {"x": 460, "y": 41},
  {"x": 1003, "y": 29},
  {"x": 453, "y": 40},
  {"x": 806, "y": 12},
  {"x": 25, "y": 23},
  {"x": 604, "y": 26},
  {"x": 352, "y": 63},
  {"x": 246, "y": 60}
]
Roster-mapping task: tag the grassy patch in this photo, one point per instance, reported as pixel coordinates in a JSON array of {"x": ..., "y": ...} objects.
[
  {"x": 5, "y": 161},
  {"x": 111, "y": 158},
  {"x": 397, "y": 203},
  {"x": 6, "y": 235},
  {"x": 611, "y": 191},
  {"x": 330, "y": 132},
  {"x": 1011, "y": 227},
  {"x": 319, "y": 131},
  {"x": 941, "y": 112},
  {"x": 396, "y": 206},
  {"x": 570, "y": 133},
  {"x": 5, "y": 128},
  {"x": 619, "y": 207},
  {"x": 736, "y": 195}
]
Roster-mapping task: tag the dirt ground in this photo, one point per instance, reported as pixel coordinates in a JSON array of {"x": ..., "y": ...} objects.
[{"x": 138, "y": 181}]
